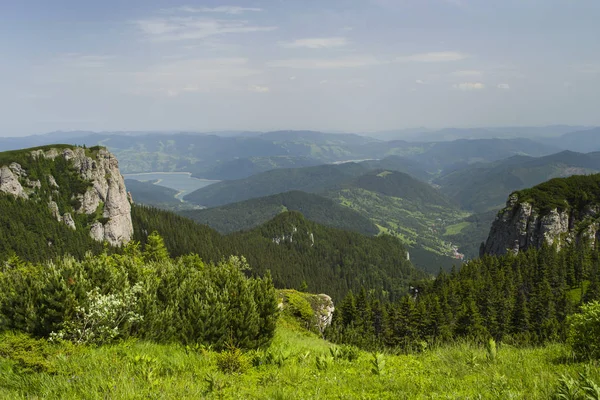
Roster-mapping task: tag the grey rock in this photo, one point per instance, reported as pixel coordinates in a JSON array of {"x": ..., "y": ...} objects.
[
  {"x": 54, "y": 210},
  {"x": 9, "y": 183},
  {"x": 325, "y": 312},
  {"x": 52, "y": 182},
  {"x": 108, "y": 188},
  {"x": 68, "y": 220},
  {"x": 97, "y": 231},
  {"x": 17, "y": 169},
  {"x": 519, "y": 226},
  {"x": 33, "y": 184}
]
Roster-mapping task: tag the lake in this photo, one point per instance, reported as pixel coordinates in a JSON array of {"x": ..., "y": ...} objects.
[{"x": 180, "y": 181}]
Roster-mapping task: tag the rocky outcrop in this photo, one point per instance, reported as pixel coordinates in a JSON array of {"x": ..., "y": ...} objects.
[
  {"x": 68, "y": 221},
  {"x": 520, "y": 226},
  {"x": 54, "y": 210},
  {"x": 9, "y": 182},
  {"x": 107, "y": 190},
  {"x": 105, "y": 195},
  {"x": 324, "y": 312}
]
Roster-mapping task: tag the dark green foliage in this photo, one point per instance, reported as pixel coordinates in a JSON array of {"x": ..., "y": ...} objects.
[
  {"x": 334, "y": 263},
  {"x": 27, "y": 227},
  {"x": 251, "y": 213},
  {"x": 135, "y": 294},
  {"x": 565, "y": 193},
  {"x": 521, "y": 300},
  {"x": 584, "y": 331}
]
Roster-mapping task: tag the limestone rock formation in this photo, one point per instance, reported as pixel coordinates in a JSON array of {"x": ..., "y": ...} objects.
[
  {"x": 105, "y": 196},
  {"x": 520, "y": 226},
  {"x": 108, "y": 189},
  {"x": 9, "y": 183},
  {"x": 325, "y": 312}
]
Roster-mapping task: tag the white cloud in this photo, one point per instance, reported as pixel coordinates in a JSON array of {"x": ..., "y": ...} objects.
[
  {"x": 335, "y": 63},
  {"x": 194, "y": 75},
  {"x": 420, "y": 82},
  {"x": 324, "y": 82},
  {"x": 258, "y": 88},
  {"x": 468, "y": 73},
  {"x": 189, "y": 28},
  {"x": 292, "y": 78},
  {"x": 235, "y": 10},
  {"x": 442, "y": 56},
  {"x": 504, "y": 86},
  {"x": 469, "y": 86},
  {"x": 316, "y": 43}
]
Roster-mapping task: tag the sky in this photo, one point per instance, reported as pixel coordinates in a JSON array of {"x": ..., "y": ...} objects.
[{"x": 330, "y": 65}]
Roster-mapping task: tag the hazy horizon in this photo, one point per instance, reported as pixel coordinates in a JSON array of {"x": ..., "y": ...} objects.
[{"x": 356, "y": 66}]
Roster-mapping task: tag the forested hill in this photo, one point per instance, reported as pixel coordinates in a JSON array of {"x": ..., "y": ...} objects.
[
  {"x": 309, "y": 179},
  {"x": 400, "y": 185},
  {"x": 251, "y": 213},
  {"x": 299, "y": 253}
]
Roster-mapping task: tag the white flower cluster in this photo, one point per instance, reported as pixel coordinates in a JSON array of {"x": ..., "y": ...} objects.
[{"x": 103, "y": 316}]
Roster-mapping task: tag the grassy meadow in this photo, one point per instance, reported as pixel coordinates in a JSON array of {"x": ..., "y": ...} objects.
[{"x": 297, "y": 365}]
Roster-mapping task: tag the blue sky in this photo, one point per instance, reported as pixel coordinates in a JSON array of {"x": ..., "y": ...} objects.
[{"x": 333, "y": 65}]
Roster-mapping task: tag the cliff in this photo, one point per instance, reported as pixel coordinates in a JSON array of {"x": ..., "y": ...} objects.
[
  {"x": 83, "y": 188},
  {"x": 557, "y": 212}
]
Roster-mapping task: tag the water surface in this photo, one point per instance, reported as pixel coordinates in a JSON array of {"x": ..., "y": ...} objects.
[{"x": 183, "y": 182}]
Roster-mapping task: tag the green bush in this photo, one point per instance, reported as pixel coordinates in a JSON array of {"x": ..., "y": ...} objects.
[
  {"x": 28, "y": 354},
  {"x": 584, "y": 331},
  {"x": 145, "y": 295},
  {"x": 299, "y": 307},
  {"x": 232, "y": 361}
]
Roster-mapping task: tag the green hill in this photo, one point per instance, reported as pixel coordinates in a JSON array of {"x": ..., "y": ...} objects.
[
  {"x": 251, "y": 213},
  {"x": 407, "y": 208},
  {"x": 483, "y": 187},
  {"x": 309, "y": 179},
  {"x": 295, "y": 250},
  {"x": 397, "y": 203},
  {"x": 244, "y": 167}
]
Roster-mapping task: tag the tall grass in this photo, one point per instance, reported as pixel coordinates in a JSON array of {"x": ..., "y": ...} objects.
[{"x": 142, "y": 370}]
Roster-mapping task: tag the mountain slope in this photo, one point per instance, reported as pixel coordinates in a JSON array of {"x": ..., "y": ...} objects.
[
  {"x": 251, "y": 213},
  {"x": 310, "y": 179},
  {"x": 397, "y": 203},
  {"x": 582, "y": 141},
  {"x": 294, "y": 249},
  {"x": 482, "y": 187},
  {"x": 46, "y": 191}
]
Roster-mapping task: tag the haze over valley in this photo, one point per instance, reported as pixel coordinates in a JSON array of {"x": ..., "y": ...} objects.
[{"x": 353, "y": 199}]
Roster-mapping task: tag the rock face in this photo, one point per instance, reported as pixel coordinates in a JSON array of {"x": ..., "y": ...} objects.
[
  {"x": 105, "y": 196},
  {"x": 9, "y": 183},
  {"x": 108, "y": 189},
  {"x": 520, "y": 226},
  {"x": 325, "y": 312}
]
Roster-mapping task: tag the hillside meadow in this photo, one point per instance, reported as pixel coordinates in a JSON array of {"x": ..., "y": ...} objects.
[{"x": 297, "y": 365}]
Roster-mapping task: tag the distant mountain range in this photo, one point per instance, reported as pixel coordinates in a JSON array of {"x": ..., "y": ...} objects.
[
  {"x": 236, "y": 154},
  {"x": 484, "y": 186}
]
